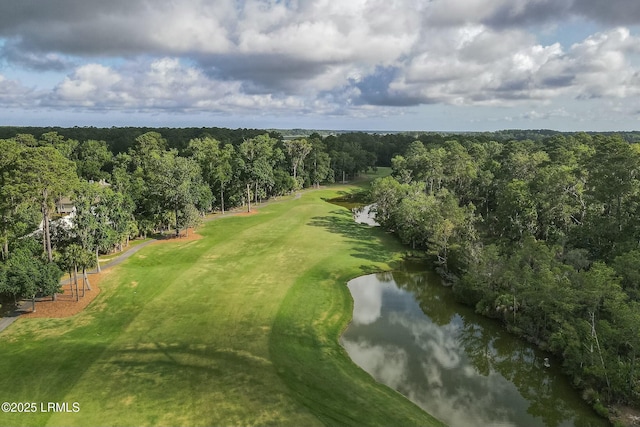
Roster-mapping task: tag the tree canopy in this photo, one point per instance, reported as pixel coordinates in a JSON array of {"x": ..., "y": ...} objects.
[{"x": 543, "y": 235}]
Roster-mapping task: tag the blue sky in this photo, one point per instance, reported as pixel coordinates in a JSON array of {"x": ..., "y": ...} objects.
[{"x": 453, "y": 65}]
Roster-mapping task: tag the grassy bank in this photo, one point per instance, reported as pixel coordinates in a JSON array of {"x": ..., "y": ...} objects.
[{"x": 238, "y": 328}]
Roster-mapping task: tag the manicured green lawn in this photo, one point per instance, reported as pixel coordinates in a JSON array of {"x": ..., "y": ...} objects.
[{"x": 238, "y": 328}]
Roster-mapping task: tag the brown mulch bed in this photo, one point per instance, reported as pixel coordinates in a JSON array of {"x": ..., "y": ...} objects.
[
  {"x": 184, "y": 237},
  {"x": 66, "y": 305}
]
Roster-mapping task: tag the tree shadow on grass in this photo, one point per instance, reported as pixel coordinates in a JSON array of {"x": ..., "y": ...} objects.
[
  {"x": 184, "y": 356},
  {"x": 180, "y": 371},
  {"x": 350, "y": 199},
  {"x": 366, "y": 244}
]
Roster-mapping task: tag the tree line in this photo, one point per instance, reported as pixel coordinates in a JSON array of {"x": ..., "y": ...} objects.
[
  {"x": 124, "y": 189},
  {"x": 543, "y": 235}
]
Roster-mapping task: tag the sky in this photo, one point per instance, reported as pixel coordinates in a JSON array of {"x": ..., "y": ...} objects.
[{"x": 380, "y": 65}]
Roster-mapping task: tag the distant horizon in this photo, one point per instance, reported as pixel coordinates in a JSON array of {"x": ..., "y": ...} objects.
[{"x": 311, "y": 130}]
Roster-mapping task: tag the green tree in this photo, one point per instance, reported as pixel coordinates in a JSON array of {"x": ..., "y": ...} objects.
[
  {"x": 27, "y": 275},
  {"x": 559, "y": 198},
  {"x": 298, "y": 150},
  {"x": 522, "y": 160},
  {"x": 259, "y": 156},
  {"x": 73, "y": 256},
  {"x": 613, "y": 189},
  {"x": 93, "y": 159},
  {"x": 224, "y": 170},
  {"x": 4, "y": 288},
  {"x": 176, "y": 184},
  {"x": 421, "y": 164},
  {"x": 12, "y": 192},
  {"x": 387, "y": 193},
  {"x": 119, "y": 209},
  {"x": 50, "y": 139},
  {"x": 133, "y": 174},
  {"x": 343, "y": 164},
  {"x": 516, "y": 211},
  {"x": 432, "y": 168},
  {"x": 449, "y": 226},
  {"x": 414, "y": 212},
  {"x": 27, "y": 140},
  {"x": 103, "y": 219},
  {"x": 46, "y": 175},
  {"x": 84, "y": 219},
  {"x": 320, "y": 163},
  {"x": 146, "y": 147},
  {"x": 459, "y": 169},
  {"x": 626, "y": 267},
  {"x": 216, "y": 163}
]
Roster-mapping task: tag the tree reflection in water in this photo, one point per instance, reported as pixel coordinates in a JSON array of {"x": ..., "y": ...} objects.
[{"x": 409, "y": 333}]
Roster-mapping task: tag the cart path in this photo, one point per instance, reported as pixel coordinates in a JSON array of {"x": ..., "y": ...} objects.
[{"x": 25, "y": 306}]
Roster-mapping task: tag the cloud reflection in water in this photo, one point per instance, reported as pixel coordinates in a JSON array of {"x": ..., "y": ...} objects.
[{"x": 452, "y": 370}]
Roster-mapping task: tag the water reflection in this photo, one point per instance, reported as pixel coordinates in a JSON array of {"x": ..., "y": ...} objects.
[
  {"x": 365, "y": 215},
  {"x": 368, "y": 299},
  {"x": 410, "y": 334}
]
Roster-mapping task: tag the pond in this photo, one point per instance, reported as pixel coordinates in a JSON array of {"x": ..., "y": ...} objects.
[
  {"x": 365, "y": 215},
  {"x": 409, "y": 333}
]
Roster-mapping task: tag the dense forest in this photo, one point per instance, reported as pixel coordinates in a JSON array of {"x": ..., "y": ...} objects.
[
  {"x": 536, "y": 228},
  {"x": 543, "y": 235}
]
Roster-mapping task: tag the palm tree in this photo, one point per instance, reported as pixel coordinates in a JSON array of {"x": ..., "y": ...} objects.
[
  {"x": 73, "y": 256},
  {"x": 87, "y": 260}
]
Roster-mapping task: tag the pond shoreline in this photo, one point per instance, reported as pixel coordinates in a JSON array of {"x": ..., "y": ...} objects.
[{"x": 561, "y": 394}]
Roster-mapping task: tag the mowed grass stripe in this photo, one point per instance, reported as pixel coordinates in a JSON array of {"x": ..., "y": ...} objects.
[
  {"x": 206, "y": 334},
  {"x": 238, "y": 328},
  {"x": 304, "y": 342}
]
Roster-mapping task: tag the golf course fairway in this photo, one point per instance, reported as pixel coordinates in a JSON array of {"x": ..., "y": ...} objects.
[{"x": 240, "y": 327}]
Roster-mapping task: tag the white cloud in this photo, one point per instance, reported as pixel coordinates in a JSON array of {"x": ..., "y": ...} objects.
[
  {"x": 388, "y": 364},
  {"x": 192, "y": 26},
  {"x": 602, "y": 66},
  {"x": 14, "y": 94},
  {"x": 362, "y": 58},
  {"x": 469, "y": 65},
  {"x": 162, "y": 84},
  {"x": 367, "y": 292},
  {"x": 477, "y": 65},
  {"x": 90, "y": 85}
]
